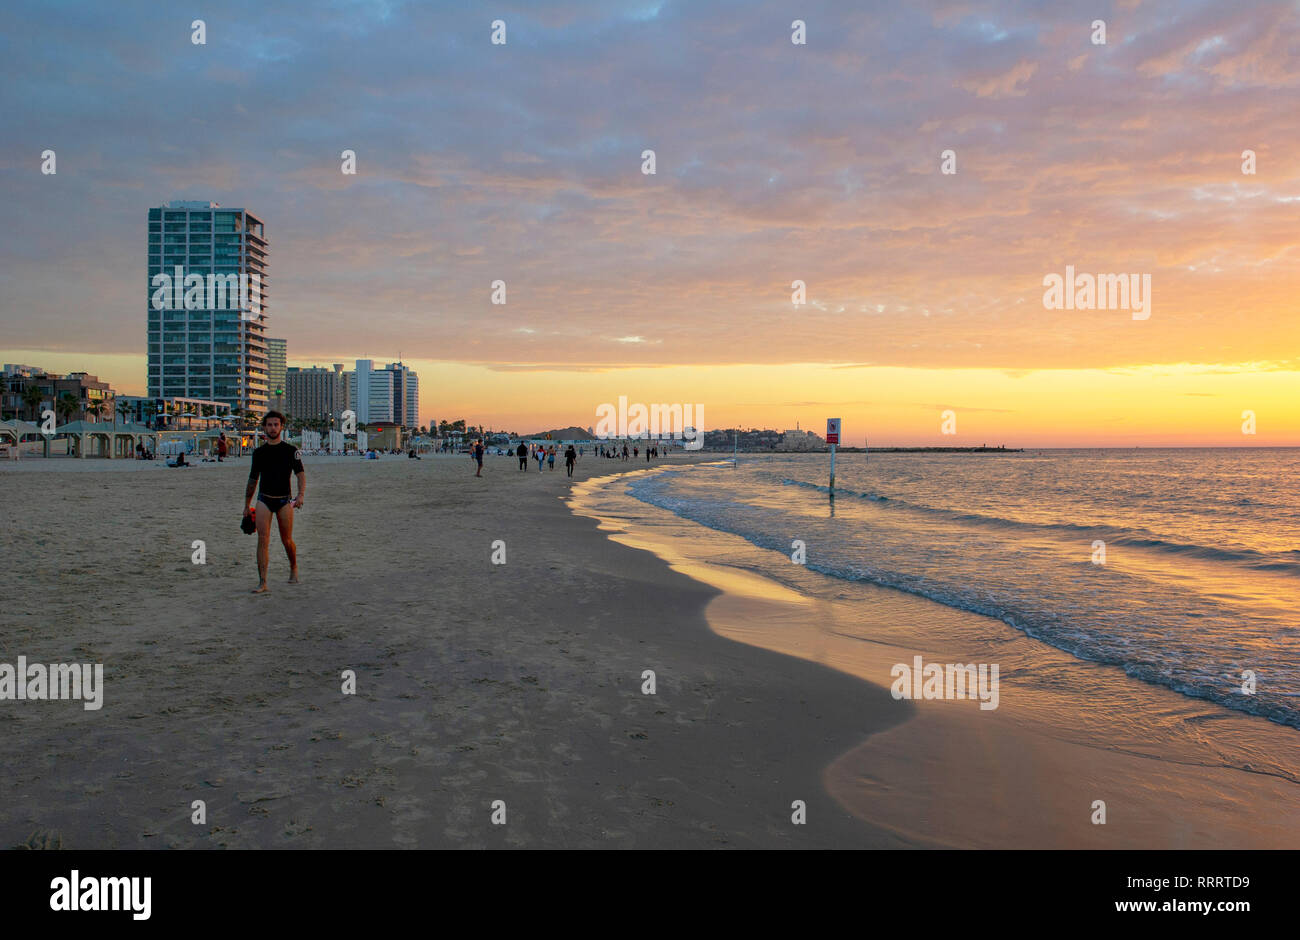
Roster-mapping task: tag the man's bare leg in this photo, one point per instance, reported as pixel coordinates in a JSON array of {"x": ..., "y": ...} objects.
[
  {"x": 284, "y": 522},
  {"x": 263, "y": 545}
]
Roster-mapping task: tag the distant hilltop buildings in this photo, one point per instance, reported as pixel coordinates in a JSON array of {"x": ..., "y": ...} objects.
[{"x": 753, "y": 441}]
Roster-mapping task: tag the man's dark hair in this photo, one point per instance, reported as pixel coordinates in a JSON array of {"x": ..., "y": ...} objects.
[{"x": 272, "y": 414}]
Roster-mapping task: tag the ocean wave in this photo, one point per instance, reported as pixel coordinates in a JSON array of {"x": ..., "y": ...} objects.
[
  {"x": 1093, "y": 642},
  {"x": 1284, "y": 563}
]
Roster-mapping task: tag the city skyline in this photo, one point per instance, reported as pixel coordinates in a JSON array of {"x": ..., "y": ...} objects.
[{"x": 822, "y": 163}]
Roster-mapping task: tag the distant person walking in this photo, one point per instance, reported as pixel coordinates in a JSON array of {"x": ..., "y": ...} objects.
[
  {"x": 223, "y": 447},
  {"x": 550, "y": 457},
  {"x": 522, "y": 453},
  {"x": 570, "y": 458},
  {"x": 541, "y": 457},
  {"x": 478, "y": 457}
]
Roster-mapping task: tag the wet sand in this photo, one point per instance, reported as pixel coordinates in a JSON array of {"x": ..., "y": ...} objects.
[{"x": 1173, "y": 772}]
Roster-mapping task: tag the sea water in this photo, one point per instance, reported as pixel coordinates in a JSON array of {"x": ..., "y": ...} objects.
[{"x": 1182, "y": 567}]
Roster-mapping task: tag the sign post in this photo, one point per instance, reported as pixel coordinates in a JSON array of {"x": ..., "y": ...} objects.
[{"x": 832, "y": 438}]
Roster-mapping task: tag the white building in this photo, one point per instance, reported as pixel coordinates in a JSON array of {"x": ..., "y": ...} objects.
[{"x": 370, "y": 391}]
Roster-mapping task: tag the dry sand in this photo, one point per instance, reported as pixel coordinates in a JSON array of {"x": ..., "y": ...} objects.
[{"x": 519, "y": 682}]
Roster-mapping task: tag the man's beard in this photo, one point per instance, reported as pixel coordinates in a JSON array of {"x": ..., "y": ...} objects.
[{"x": 274, "y": 438}]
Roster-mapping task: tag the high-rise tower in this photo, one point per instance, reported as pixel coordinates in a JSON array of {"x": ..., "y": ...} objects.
[{"x": 207, "y": 305}]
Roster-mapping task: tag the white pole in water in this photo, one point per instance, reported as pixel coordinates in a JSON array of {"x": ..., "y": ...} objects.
[
  {"x": 832, "y": 470},
  {"x": 735, "y": 447}
]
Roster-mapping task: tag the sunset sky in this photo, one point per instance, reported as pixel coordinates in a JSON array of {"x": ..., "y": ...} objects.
[{"x": 775, "y": 162}]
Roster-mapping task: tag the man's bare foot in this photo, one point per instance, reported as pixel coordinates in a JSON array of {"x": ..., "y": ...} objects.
[
  {"x": 261, "y": 589},
  {"x": 293, "y": 576}
]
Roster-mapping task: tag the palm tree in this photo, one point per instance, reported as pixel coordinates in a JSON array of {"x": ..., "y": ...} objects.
[
  {"x": 150, "y": 409},
  {"x": 66, "y": 406},
  {"x": 124, "y": 409},
  {"x": 32, "y": 399},
  {"x": 95, "y": 407}
]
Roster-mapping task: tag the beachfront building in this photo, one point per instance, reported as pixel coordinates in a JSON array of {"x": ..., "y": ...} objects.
[
  {"x": 317, "y": 394},
  {"x": 277, "y": 351},
  {"x": 371, "y": 393},
  {"x": 406, "y": 395},
  {"x": 176, "y": 414},
  {"x": 207, "y": 342},
  {"x": 94, "y": 400}
]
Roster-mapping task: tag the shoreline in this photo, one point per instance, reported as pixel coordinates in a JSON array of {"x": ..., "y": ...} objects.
[
  {"x": 1022, "y": 776},
  {"x": 524, "y": 682}
]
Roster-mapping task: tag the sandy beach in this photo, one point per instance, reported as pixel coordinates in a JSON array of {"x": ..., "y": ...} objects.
[
  {"x": 523, "y": 683},
  {"x": 475, "y": 682}
]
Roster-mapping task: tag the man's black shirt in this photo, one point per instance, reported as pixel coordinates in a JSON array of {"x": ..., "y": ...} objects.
[{"x": 274, "y": 463}]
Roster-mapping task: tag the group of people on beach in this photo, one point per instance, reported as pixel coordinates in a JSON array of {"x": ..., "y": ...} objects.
[
  {"x": 614, "y": 453},
  {"x": 545, "y": 454}
]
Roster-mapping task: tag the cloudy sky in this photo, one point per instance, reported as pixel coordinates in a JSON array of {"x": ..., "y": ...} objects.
[{"x": 774, "y": 162}]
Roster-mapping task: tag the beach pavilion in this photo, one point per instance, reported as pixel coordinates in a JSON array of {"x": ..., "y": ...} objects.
[
  {"x": 106, "y": 440},
  {"x": 13, "y": 432}
]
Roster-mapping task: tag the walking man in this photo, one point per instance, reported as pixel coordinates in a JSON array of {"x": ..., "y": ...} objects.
[{"x": 273, "y": 463}]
